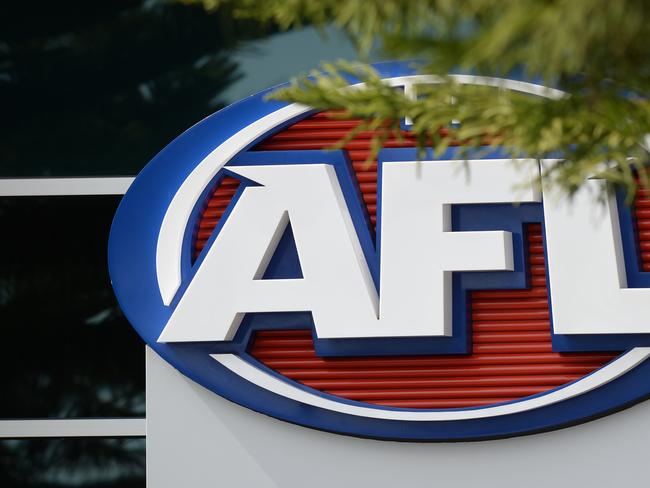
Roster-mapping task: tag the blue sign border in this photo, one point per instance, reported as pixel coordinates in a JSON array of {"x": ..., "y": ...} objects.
[{"x": 132, "y": 248}]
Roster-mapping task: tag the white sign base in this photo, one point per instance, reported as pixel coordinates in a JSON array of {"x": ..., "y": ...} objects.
[{"x": 197, "y": 439}]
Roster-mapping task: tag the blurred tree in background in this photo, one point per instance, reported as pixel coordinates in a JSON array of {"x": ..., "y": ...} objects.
[
  {"x": 596, "y": 51},
  {"x": 101, "y": 87}
]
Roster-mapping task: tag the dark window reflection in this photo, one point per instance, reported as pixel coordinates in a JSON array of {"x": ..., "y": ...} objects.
[
  {"x": 83, "y": 463},
  {"x": 99, "y": 89},
  {"x": 67, "y": 350}
]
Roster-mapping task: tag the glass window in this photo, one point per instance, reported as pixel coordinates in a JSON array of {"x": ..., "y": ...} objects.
[
  {"x": 99, "y": 90},
  {"x": 91, "y": 89},
  {"x": 82, "y": 463},
  {"x": 67, "y": 350}
]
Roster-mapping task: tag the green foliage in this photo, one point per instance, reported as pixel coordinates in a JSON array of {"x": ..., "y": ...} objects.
[{"x": 596, "y": 51}]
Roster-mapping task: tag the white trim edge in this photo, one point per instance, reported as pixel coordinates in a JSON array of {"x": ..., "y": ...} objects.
[
  {"x": 136, "y": 427},
  {"x": 26, "y": 187},
  {"x": 170, "y": 238},
  {"x": 604, "y": 375}
]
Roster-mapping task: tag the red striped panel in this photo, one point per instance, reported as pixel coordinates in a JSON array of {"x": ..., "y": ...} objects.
[
  {"x": 512, "y": 355},
  {"x": 642, "y": 213},
  {"x": 213, "y": 211}
]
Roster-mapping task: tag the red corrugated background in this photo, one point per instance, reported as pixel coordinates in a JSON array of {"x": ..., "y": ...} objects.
[
  {"x": 213, "y": 210},
  {"x": 642, "y": 211},
  {"x": 511, "y": 355}
]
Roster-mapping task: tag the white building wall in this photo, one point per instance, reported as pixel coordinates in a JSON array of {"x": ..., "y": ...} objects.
[{"x": 198, "y": 439}]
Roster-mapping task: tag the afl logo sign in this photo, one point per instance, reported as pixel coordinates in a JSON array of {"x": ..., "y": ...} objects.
[{"x": 434, "y": 300}]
